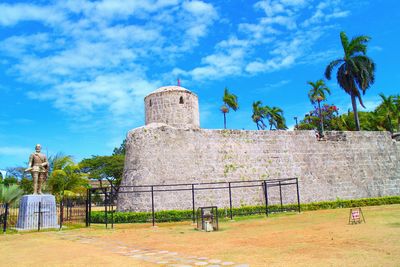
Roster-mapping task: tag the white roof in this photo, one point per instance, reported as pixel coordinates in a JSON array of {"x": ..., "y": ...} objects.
[{"x": 170, "y": 88}]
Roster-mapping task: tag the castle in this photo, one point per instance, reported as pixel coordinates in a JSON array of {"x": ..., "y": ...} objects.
[{"x": 172, "y": 149}]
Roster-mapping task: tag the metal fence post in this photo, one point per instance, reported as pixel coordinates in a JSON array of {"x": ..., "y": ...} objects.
[
  {"x": 298, "y": 195},
  {"x": 39, "y": 215},
  {"x": 266, "y": 198},
  {"x": 61, "y": 212},
  {"x": 5, "y": 217},
  {"x": 280, "y": 195},
  {"x": 90, "y": 206},
  {"x": 105, "y": 208},
  {"x": 152, "y": 204},
  {"x": 193, "y": 215},
  {"x": 87, "y": 208},
  {"x": 230, "y": 200},
  {"x": 112, "y": 216}
]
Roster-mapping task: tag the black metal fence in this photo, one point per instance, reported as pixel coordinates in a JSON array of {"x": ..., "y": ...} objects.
[
  {"x": 107, "y": 197},
  {"x": 79, "y": 210},
  {"x": 69, "y": 211}
]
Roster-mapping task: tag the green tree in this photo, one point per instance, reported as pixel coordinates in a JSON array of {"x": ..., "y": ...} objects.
[
  {"x": 275, "y": 118},
  {"x": 316, "y": 95},
  {"x": 258, "y": 115},
  {"x": 108, "y": 168},
  {"x": 356, "y": 71},
  {"x": 388, "y": 110},
  {"x": 26, "y": 185},
  {"x": 9, "y": 181},
  {"x": 396, "y": 102},
  {"x": 230, "y": 101},
  {"x": 121, "y": 149},
  {"x": 10, "y": 194},
  {"x": 65, "y": 177}
]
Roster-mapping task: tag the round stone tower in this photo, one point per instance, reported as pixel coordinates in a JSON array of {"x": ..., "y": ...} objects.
[{"x": 172, "y": 105}]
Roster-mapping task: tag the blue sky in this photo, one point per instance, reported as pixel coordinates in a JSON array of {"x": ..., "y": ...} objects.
[{"x": 73, "y": 73}]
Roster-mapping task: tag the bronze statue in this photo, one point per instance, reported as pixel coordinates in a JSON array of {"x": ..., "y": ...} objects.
[{"x": 38, "y": 166}]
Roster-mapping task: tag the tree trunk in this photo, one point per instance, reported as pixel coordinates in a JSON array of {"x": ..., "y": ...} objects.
[
  {"x": 398, "y": 124},
  {"x": 263, "y": 126},
  {"x": 224, "y": 120},
  {"x": 321, "y": 120},
  {"x": 354, "y": 104},
  {"x": 390, "y": 124}
]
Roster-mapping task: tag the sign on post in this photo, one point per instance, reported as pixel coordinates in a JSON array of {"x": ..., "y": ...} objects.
[{"x": 356, "y": 216}]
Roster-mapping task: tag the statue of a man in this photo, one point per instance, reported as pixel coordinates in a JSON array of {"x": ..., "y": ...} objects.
[{"x": 38, "y": 166}]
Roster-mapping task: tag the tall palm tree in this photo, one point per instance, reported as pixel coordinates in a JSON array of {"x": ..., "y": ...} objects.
[
  {"x": 259, "y": 115},
  {"x": 316, "y": 95},
  {"x": 275, "y": 118},
  {"x": 356, "y": 71},
  {"x": 387, "y": 107},
  {"x": 230, "y": 101}
]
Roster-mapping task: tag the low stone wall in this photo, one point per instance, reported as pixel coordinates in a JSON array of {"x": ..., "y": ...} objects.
[{"x": 344, "y": 165}]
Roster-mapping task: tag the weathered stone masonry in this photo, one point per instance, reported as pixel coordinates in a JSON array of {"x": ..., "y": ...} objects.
[{"x": 348, "y": 165}]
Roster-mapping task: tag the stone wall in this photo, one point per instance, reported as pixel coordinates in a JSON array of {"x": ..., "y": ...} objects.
[{"x": 346, "y": 165}]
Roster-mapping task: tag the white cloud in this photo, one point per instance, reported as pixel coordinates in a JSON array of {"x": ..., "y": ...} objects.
[
  {"x": 13, "y": 14},
  {"x": 281, "y": 34},
  {"x": 200, "y": 9},
  {"x": 219, "y": 65},
  {"x": 198, "y": 15},
  {"x": 326, "y": 11},
  {"x": 270, "y": 65},
  {"x": 92, "y": 56}
]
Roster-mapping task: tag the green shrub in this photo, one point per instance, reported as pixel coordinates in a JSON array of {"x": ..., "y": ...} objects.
[{"x": 186, "y": 215}]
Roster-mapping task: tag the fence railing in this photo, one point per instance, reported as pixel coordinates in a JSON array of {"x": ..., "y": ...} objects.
[
  {"x": 69, "y": 211},
  {"x": 79, "y": 210},
  {"x": 109, "y": 195}
]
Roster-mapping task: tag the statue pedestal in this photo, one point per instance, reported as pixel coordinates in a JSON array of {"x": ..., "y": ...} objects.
[{"x": 35, "y": 210}]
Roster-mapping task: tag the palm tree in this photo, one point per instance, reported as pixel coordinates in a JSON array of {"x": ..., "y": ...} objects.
[
  {"x": 10, "y": 194},
  {"x": 316, "y": 95},
  {"x": 65, "y": 176},
  {"x": 356, "y": 71},
  {"x": 230, "y": 101},
  {"x": 396, "y": 102},
  {"x": 258, "y": 115},
  {"x": 387, "y": 107},
  {"x": 275, "y": 118}
]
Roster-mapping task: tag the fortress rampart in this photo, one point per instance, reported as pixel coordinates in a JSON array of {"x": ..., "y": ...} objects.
[{"x": 346, "y": 165}]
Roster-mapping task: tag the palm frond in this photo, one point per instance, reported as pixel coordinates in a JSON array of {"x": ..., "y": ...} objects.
[
  {"x": 231, "y": 100},
  {"x": 345, "y": 43},
  {"x": 330, "y": 67},
  {"x": 10, "y": 194},
  {"x": 358, "y": 44}
]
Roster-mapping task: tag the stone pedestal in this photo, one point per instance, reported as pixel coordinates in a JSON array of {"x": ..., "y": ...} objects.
[{"x": 35, "y": 210}]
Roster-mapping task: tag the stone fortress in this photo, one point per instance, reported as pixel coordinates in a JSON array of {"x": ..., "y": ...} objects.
[{"x": 172, "y": 149}]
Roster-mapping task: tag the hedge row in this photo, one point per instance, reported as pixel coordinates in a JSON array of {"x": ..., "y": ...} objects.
[{"x": 186, "y": 215}]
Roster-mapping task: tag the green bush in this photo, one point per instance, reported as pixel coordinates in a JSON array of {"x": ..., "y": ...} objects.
[{"x": 186, "y": 215}]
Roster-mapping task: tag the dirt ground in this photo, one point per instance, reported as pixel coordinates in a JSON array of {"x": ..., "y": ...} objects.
[{"x": 318, "y": 238}]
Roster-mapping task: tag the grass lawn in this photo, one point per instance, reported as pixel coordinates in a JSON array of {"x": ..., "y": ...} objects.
[{"x": 314, "y": 238}]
